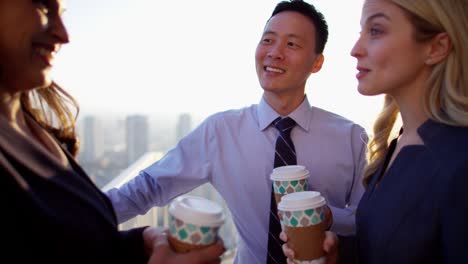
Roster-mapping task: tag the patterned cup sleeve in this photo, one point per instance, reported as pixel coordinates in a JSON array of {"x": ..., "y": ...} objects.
[
  {"x": 303, "y": 218},
  {"x": 285, "y": 187},
  {"x": 192, "y": 234}
]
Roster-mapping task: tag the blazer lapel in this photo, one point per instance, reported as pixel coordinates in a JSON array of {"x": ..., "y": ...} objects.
[
  {"x": 18, "y": 147},
  {"x": 397, "y": 195},
  {"x": 36, "y": 160}
]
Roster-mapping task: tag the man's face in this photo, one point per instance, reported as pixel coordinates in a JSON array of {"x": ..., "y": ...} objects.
[{"x": 285, "y": 56}]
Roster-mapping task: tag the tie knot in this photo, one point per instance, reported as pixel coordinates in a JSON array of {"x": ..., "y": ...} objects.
[{"x": 284, "y": 125}]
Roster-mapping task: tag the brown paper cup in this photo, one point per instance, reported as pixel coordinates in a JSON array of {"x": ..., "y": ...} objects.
[
  {"x": 303, "y": 220},
  {"x": 182, "y": 247},
  {"x": 306, "y": 242}
]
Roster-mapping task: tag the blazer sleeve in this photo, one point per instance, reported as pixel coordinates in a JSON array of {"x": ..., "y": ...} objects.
[
  {"x": 454, "y": 215},
  {"x": 347, "y": 250},
  {"x": 132, "y": 241}
]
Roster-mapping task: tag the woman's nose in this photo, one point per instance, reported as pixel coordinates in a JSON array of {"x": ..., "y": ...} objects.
[
  {"x": 357, "y": 50},
  {"x": 58, "y": 30}
]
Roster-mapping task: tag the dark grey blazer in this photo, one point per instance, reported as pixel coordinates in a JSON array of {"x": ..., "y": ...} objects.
[
  {"x": 418, "y": 213},
  {"x": 54, "y": 214}
]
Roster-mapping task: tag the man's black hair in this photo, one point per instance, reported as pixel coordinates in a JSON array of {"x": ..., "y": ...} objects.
[{"x": 310, "y": 12}]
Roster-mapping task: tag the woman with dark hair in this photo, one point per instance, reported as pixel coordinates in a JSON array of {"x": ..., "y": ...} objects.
[{"x": 52, "y": 212}]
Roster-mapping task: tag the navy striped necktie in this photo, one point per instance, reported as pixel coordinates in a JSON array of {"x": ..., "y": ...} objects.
[{"x": 285, "y": 154}]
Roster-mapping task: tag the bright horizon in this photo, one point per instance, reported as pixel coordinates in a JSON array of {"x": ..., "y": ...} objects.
[{"x": 168, "y": 57}]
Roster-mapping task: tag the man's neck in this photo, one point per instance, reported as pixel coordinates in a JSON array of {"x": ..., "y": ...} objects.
[{"x": 283, "y": 105}]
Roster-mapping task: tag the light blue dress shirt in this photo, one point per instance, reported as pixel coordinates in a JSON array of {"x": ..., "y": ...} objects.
[{"x": 234, "y": 151}]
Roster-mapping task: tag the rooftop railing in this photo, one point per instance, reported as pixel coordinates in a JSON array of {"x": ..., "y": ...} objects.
[{"x": 159, "y": 216}]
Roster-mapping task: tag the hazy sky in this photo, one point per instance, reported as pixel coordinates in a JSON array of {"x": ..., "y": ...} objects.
[{"x": 153, "y": 56}]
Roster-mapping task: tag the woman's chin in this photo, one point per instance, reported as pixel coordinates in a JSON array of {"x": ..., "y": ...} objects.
[{"x": 366, "y": 91}]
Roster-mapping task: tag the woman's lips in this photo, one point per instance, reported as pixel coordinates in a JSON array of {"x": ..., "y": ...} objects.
[{"x": 362, "y": 72}]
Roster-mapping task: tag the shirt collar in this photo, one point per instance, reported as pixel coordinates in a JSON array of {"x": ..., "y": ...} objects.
[{"x": 266, "y": 114}]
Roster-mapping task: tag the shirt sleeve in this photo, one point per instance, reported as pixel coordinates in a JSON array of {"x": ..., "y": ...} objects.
[
  {"x": 182, "y": 169},
  {"x": 454, "y": 214},
  {"x": 344, "y": 218}
]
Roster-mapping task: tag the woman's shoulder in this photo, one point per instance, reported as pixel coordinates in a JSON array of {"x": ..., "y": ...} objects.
[{"x": 447, "y": 144}]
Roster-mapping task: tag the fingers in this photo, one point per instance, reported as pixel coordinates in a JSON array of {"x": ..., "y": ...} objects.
[
  {"x": 153, "y": 237},
  {"x": 287, "y": 251},
  {"x": 280, "y": 216},
  {"x": 283, "y": 236},
  {"x": 154, "y": 231},
  {"x": 161, "y": 239},
  {"x": 215, "y": 250},
  {"x": 162, "y": 254},
  {"x": 330, "y": 245}
]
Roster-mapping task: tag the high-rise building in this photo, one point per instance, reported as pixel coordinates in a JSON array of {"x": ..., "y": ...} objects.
[
  {"x": 137, "y": 132},
  {"x": 92, "y": 146},
  {"x": 184, "y": 125}
]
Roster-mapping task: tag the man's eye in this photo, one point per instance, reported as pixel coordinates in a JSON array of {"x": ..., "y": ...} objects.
[
  {"x": 375, "y": 31},
  {"x": 293, "y": 45}
]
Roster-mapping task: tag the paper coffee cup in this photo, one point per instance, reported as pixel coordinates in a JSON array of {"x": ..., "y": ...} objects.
[
  {"x": 194, "y": 223},
  {"x": 289, "y": 179},
  {"x": 303, "y": 215}
]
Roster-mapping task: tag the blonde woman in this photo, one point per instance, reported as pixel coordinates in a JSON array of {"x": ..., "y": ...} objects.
[{"x": 415, "y": 208}]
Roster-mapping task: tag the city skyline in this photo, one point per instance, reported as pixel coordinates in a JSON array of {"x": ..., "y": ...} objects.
[{"x": 148, "y": 57}]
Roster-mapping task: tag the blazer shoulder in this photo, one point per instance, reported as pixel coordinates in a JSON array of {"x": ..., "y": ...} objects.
[{"x": 447, "y": 144}]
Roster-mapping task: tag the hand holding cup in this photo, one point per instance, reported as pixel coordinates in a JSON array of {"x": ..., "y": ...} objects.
[
  {"x": 194, "y": 223},
  {"x": 303, "y": 219},
  {"x": 330, "y": 246},
  {"x": 157, "y": 246}
]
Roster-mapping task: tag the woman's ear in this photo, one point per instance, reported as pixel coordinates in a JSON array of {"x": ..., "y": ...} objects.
[{"x": 440, "y": 48}]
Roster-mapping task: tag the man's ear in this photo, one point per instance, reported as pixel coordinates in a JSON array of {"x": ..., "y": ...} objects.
[
  {"x": 440, "y": 47},
  {"x": 318, "y": 63}
]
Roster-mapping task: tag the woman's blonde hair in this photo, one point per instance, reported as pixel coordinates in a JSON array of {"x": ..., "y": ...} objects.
[
  {"x": 446, "y": 98},
  {"x": 56, "y": 111}
]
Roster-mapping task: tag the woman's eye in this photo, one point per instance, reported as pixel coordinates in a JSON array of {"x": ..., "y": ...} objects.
[{"x": 42, "y": 6}]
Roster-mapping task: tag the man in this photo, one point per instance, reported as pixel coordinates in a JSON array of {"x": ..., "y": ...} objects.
[{"x": 235, "y": 150}]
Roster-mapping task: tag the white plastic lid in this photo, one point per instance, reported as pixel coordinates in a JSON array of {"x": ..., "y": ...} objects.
[
  {"x": 298, "y": 201},
  {"x": 197, "y": 210},
  {"x": 289, "y": 173}
]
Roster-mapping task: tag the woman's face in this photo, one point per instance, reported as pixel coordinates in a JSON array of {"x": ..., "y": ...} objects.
[
  {"x": 31, "y": 33},
  {"x": 389, "y": 60}
]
